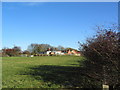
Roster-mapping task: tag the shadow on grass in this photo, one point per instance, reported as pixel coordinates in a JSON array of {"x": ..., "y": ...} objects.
[{"x": 65, "y": 76}]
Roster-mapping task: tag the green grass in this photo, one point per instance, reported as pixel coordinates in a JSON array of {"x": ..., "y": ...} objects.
[{"x": 42, "y": 72}]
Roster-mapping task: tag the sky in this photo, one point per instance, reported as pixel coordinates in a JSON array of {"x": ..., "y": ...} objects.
[{"x": 54, "y": 23}]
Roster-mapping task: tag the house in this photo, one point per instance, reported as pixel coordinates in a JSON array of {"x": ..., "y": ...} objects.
[
  {"x": 48, "y": 52},
  {"x": 64, "y": 52},
  {"x": 59, "y": 53},
  {"x": 73, "y": 52},
  {"x": 54, "y": 53},
  {"x": 78, "y": 53}
]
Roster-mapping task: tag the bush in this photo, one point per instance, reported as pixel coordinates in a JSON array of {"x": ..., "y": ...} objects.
[{"x": 102, "y": 54}]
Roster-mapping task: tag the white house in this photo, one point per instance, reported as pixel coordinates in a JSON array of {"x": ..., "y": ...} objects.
[
  {"x": 48, "y": 52},
  {"x": 55, "y": 52}
]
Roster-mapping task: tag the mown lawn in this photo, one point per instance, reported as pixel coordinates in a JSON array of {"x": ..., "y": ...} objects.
[{"x": 42, "y": 72}]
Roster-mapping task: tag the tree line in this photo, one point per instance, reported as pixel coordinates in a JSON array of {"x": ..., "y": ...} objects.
[{"x": 33, "y": 49}]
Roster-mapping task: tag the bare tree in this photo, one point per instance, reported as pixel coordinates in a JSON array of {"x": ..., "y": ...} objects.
[{"x": 102, "y": 54}]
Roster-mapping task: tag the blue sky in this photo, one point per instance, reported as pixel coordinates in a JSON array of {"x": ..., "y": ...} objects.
[{"x": 60, "y": 23}]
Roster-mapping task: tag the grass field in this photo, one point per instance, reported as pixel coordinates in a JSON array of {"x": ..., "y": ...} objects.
[{"x": 42, "y": 72}]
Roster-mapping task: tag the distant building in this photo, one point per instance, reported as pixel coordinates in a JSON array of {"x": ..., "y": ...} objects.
[
  {"x": 54, "y": 53},
  {"x": 68, "y": 52},
  {"x": 48, "y": 52},
  {"x": 73, "y": 52}
]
